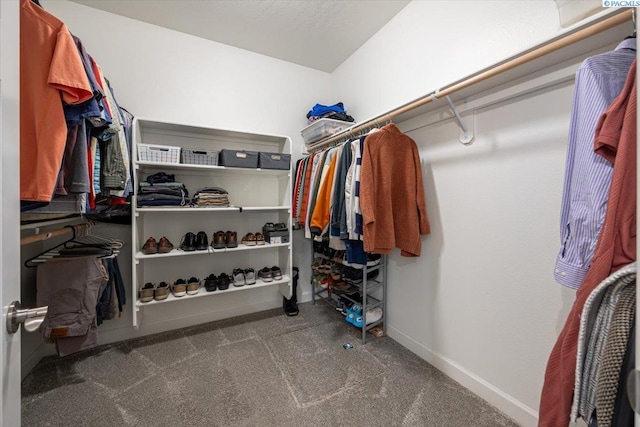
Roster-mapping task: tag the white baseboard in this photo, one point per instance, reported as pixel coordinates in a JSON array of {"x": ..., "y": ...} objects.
[
  {"x": 513, "y": 408},
  {"x": 149, "y": 328}
]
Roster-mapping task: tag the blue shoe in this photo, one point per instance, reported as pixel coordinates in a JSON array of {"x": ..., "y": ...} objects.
[
  {"x": 350, "y": 315},
  {"x": 357, "y": 321}
]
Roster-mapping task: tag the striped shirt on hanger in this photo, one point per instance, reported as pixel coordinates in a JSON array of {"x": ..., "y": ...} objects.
[{"x": 599, "y": 81}]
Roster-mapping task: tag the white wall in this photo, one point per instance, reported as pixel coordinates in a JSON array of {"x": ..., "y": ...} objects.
[
  {"x": 431, "y": 43},
  {"x": 481, "y": 303},
  {"x": 166, "y": 75}
]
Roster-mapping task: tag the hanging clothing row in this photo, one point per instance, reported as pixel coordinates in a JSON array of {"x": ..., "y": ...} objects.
[
  {"x": 75, "y": 140},
  {"x": 80, "y": 282},
  {"x": 365, "y": 195},
  {"x": 599, "y": 247}
]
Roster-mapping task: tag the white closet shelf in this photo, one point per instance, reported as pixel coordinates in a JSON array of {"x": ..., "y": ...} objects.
[
  {"x": 211, "y": 251},
  {"x": 203, "y": 292},
  {"x": 188, "y": 209},
  {"x": 183, "y": 166},
  {"x": 208, "y": 209}
]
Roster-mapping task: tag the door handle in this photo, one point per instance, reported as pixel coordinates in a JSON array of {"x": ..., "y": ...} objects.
[{"x": 31, "y": 317}]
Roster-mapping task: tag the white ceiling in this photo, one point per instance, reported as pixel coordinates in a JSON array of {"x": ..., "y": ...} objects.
[{"x": 319, "y": 34}]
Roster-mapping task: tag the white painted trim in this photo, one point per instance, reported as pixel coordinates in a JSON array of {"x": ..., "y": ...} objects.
[
  {"x": 149, "y": 328},
  {"x": 513, "y": 408}
]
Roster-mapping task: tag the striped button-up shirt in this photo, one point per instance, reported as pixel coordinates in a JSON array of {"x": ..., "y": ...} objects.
[{"x": 599, "y": 81}]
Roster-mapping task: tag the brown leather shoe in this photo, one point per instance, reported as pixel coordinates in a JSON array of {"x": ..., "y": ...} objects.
[
  {"x": 150, "y": 246},
  {"x": 249, "y": 239},
  {"x": 164, "y": 245},
  {"x": 219, "y": 240},
  {"x": 232, "y": 239}
]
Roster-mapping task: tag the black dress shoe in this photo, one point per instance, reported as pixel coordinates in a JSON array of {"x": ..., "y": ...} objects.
[
  {"x": 188, "y": 242},
  {"x": 201, "y": 241}
]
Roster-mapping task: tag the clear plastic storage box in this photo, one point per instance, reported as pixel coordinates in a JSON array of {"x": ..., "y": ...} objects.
[{"x": 323, "y": 128}]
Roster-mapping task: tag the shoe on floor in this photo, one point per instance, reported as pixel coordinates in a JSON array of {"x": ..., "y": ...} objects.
[
  {"x": 150, "y": 247},
  {"x": 238, "y": 278},
  {"x": 179, "y": 288},
  {"x": 202, "y": 242},
  {"x": 211, "y": 283},
  {"x": 161, "y": 292},
  {"x": 193, "y": 286},
  {"x": 146, "y": 293},
  {"x": 276, "y": 273},
  {"x": 250, "y": 276},
  {"x": 164, "y": 246},
  {"x": 188, "y": 243},
  {"x": 223, "y": 282},
  {"x": 265, "y": 275}
]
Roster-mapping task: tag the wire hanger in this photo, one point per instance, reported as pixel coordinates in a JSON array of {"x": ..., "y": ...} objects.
[{"x": 74, "y": 247}]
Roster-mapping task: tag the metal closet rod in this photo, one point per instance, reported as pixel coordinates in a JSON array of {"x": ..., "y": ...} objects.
[{"x": 536, "y": 53}]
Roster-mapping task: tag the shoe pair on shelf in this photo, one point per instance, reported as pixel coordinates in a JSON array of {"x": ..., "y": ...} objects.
[
  {"x": 194, "y": 242},
  {"x": 181, "y": 287},
  {"x": 280, "y": 226},
  {"x": 212, "y": 283},
  {"x": 151, "y": 247},
  {"x": 253, "y": 239},
  {"x": 160, "y": 291},
  {"x": 151, "y": 291},
  {"x": 223, "y": 240},
  {"x": 244, "y": 277},
  {"x": 269, "y": 274}
]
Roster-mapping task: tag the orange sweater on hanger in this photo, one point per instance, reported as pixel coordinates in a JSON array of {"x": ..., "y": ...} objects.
[
  {"x": 322, "y": 211},
  {"x": 392, "y": 193},
  {"x": 51, "y": 72}
]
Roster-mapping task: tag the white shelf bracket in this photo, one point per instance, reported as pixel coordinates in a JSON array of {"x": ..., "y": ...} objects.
[{"x": 467, "y": 133}]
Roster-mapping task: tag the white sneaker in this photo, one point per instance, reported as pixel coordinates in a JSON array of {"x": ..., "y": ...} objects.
[
  {"x": 238, "y": 278},
  {"x": 373, "y": 315},
  {"x": 250, "y": 276}
]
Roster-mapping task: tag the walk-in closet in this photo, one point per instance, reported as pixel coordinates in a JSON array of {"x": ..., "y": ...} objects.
[{"x": 306, "y": 213}]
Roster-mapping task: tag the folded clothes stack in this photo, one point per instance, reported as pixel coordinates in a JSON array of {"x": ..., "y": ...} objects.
[
  {"x": 211, "y": 196},
  {"x": 162, "y": 189},
  {"x": 335, "y": 112}
]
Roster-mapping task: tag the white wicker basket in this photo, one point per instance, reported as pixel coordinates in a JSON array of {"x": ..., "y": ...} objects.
[{"x": 158, "y": 153}]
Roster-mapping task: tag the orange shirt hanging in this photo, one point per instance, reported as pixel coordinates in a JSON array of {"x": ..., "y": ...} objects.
[{"x": 51, "y": 73}]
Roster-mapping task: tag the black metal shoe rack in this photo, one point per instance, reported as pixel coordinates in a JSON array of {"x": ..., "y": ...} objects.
[{"x": 367, "y": 287}]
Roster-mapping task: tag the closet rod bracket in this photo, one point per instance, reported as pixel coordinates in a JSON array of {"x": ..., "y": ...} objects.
[{"x": 467, "y": 133}]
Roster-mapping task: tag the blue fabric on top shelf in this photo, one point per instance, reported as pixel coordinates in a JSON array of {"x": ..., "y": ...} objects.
[{"x": 319, "y": 110}]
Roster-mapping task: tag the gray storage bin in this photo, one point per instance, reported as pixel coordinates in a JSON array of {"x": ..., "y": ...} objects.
[
  {"x": 194, "y": 156},
  {"x": 274, "y": 161},
  {"x": 238, "y": 158}
]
